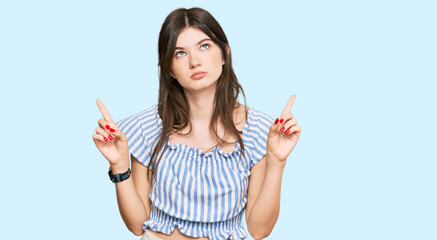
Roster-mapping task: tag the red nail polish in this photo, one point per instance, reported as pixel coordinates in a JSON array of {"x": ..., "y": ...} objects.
[
  {"x": 282, "y": 129},
  {"x": 105, "y": 139},
  {"x": 110, "y": 137},
  {"x": 107, "y": 127},
  {"x": 282, "y": 120},
  {"x": 111, "y": 130},
  {"x": 277, "y": 120},
  {"x": 288, "y": 131}
]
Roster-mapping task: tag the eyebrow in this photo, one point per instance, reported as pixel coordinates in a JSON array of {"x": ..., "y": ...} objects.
[{"x": 201, "y": 41}]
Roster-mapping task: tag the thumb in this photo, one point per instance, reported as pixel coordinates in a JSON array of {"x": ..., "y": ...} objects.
[{"x": 275, "y": 125}]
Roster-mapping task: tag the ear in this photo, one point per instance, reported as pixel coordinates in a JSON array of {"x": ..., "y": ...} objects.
[{"x": 172, "y": 74}]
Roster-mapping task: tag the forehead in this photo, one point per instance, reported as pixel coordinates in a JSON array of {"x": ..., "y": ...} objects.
[{"x": 190, "y": 36}]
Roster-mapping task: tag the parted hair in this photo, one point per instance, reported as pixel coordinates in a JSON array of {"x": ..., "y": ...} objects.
[{"x": 173, "y": 106}]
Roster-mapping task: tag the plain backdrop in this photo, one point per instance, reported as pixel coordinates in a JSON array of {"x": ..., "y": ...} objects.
[{"x": 363, "y": 72}]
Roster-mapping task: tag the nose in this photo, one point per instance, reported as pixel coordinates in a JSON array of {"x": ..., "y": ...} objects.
[{"x": 194, "y": 60}]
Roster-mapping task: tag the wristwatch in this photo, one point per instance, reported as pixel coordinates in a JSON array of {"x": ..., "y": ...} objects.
[{"x": 118, "y": 177}]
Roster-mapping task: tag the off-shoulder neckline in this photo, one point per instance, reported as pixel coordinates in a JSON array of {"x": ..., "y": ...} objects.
[{"x": 216, "y": 148}]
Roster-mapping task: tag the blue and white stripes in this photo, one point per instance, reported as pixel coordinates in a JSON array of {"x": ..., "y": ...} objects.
[
  {"x": 202, "y": 193},
  {"x": 162, "y": 222}
]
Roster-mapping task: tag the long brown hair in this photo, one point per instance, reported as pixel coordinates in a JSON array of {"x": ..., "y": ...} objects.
[{"x": 173, "y": 106}]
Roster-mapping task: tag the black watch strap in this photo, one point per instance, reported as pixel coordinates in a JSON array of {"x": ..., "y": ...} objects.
[{"x": 118, "y": 177}]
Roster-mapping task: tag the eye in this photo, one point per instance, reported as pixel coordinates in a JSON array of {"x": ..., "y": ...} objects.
[
  {"x": 204, "y": 46},
  {"x": 180, "y": 54}
]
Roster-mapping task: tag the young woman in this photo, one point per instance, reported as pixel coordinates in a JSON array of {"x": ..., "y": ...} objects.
[{"x": 198, "y": 157}]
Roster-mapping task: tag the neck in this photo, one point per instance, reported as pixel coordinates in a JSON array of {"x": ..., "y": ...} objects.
[{"x": 201, "y": 105}]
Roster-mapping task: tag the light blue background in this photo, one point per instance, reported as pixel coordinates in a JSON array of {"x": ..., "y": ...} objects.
[{"x": 364, "y": 75}]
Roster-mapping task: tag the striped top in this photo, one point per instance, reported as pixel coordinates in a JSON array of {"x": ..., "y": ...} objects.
[{"x": 203, "y": 194}]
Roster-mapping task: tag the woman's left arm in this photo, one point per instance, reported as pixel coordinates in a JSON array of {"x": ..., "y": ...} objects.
[{"x": 262, "y": 208}]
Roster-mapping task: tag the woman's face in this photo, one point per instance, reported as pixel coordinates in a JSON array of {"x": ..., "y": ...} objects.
[{"x": 197, "y": 61}]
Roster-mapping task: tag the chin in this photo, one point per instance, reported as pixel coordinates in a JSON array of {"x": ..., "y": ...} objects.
[{"x": 199, "y": 87}]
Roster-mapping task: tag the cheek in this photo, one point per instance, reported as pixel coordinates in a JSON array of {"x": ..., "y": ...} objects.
[
  {"x": 176, "y": 69},
  {"x": 218, "y": 61}
]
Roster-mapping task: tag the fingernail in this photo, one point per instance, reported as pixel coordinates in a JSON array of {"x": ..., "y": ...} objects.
[
  {"x": 105, "y": 139},
  {"x": 111, "y": 130},
  {"x": 277, "y": 120},
  {"x": 107, "y": 127},
  {"x": 282, "y": 129},
  {"x": 288, "y": 131},
  {"x": 282, "y": 120},
  {"x": 110, "y": 137}
]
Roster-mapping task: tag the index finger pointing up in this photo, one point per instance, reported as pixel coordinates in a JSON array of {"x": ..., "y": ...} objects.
[
  {"x": 104, "y": 112},
  {"x": 287, "y": 108}
]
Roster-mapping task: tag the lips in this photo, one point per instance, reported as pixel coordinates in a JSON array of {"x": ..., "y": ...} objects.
[{"x": 198, "y": 75}]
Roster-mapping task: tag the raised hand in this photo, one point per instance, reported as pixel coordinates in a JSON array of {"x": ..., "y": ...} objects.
[
  {"x": 283, "y": 134},
  {"x": 111, "y": 142}
]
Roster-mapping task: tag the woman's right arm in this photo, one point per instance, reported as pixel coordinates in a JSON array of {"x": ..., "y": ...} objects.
[
  {"x": 133, "y": 193},
  {"x": 133, "y": 196}
]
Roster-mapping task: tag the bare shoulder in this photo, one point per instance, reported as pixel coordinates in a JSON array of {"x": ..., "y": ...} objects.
[{"x": 240, "y": 114}]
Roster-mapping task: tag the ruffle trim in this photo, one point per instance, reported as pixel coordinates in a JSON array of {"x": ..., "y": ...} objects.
[
  {"x": 215, "y": 150},
  {"x": 166, "y": 224}
]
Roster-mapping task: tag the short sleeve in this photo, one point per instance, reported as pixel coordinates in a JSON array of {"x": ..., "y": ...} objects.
[
  {"x": 141, "y": 130},
  {"x": 259, "y": 126}
]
